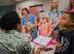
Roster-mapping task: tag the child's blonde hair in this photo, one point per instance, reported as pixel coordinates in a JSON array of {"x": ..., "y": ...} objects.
[
  {"x": 51, "y": 8},
  {"x": 44, "y": 14}
]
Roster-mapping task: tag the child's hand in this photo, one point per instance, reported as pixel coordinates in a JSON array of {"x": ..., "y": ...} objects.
[
  {"x": 53, "y": 26},
  {"x": 49, "y": 36},
  {"x": 42, "y": 47},
  {"x": 59, "y": 45}
]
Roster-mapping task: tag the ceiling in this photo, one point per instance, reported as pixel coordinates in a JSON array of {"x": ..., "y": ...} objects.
[{"x": 8, "y": 2}]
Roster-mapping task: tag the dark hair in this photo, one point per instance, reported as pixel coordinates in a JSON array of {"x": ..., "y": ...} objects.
[
  {"x": 71, "y": 6},
  {"x": 70, "y": 26},
  {"x": 72, "y": 15},
  {"x": 9, "y": 21},
  {"x": 26, "y": 10},
  {"x": 42, "y": 11}
]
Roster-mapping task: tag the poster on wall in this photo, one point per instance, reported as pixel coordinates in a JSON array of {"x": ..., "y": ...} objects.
[{"x": 35, "y": 9}]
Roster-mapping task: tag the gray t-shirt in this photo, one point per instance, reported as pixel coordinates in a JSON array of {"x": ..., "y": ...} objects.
[{"x": 53, "y": 15}]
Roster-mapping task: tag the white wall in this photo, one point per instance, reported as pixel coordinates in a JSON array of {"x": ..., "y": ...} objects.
[
  {"x": 46, "y": 4},
  {"x": 64, "y": 4}
]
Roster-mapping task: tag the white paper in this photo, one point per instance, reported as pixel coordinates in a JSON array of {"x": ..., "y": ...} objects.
[{"x": 42, "y": 40}]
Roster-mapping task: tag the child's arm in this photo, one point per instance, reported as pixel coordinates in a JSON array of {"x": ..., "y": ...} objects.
[
  {"x": 50, "y": 30},
  {"x": 59, "y": 18},
  {"x": 37, "y": 51},
  {"x": 38, "y": 32},
  {"x": 59, "y": 45}
]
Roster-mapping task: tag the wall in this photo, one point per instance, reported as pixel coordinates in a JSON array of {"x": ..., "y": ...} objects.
[
  {"x": 30, "y": 3},
  {"x": 64, "y": 4},
  {"x": 46, "y": 4},
  {"x": 6, "y": 2},
  {"x": 5, "y": 9}
]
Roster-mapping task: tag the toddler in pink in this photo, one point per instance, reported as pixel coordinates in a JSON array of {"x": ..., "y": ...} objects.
[{"x": 44, "y": 27}]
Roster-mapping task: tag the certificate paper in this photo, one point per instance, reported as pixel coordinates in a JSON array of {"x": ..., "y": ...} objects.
[{"x": 42, "y": 40}]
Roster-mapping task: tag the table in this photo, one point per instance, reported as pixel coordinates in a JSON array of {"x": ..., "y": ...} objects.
[{"x": 45, "y": 52}]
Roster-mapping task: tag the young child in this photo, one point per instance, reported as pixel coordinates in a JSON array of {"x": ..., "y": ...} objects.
[
  {"x": 55, "y": 16},
  {"x": 44, "y": 27},
  {"x": 67, "y": 45},
  {"x": 26, "y": 31}
]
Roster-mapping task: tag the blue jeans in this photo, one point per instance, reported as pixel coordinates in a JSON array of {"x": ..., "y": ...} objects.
[{"x": 34, "y": 34}]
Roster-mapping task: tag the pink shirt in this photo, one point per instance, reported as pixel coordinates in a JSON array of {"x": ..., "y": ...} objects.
[
  {"x": 44, "y": 28},
  {"x": 72, "y": 10}
]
